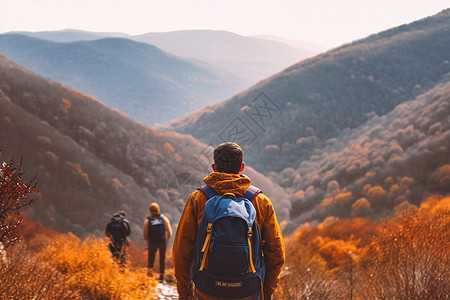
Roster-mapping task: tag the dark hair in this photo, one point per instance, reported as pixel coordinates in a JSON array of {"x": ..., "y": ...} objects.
[{"x": 228, "y": 158}]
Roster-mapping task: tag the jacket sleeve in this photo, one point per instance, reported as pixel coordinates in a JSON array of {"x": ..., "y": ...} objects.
[
  {"x": 167, "y": 228},
  {"x": 273, "y": 247},
  {"x": 126, "y": 224},
  {"x": 145, "y": 230},
  {"x": 108, "y": 230},
  {"x": 183, "y": 246}
]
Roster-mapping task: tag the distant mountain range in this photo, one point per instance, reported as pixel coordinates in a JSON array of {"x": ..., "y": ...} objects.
[
  {"x": 247, "y": 58},
  {"x": 92, "y": 160},
  {"x": 140, "y": 80},
  {"x": 301, "y": 45},
  {"x": 286, "y": 118},
  {"x": 70, "y": 35}
]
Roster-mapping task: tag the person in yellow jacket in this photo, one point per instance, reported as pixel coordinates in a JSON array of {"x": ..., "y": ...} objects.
[
  {"x": 157, "y": 231},
  {"x": 226, "y": 178}
]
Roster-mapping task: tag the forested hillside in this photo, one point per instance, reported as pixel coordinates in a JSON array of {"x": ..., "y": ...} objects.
[
  {"x": 92, "y": 160},
  {"x": 399, "y": 158},
  {"x": 285, "y": 118}
]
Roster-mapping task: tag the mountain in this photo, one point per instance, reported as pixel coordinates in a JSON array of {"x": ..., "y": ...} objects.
[
  {"x": 285, "y": 118},
  {"x": 139, "y": 79},
  {"x": 92, "y": 160},
  {"x": 249, "y": 58},
  {"x": 70, "y": 35},
  {"x": 397, "y": 159},
  {"x": 301, "y": 45}
]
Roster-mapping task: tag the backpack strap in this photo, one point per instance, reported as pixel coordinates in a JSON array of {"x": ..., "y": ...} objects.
[
  {"x": 152, "y": 217},
  {"x": 206, "y": 246},
  {"x": 251, "y": 192},
  {"x": 209, "y": 192},
  {"x": 249, "y": 238}
]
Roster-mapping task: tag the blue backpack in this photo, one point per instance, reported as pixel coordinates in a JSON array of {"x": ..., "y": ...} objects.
[{"x": 227, "y": 258}]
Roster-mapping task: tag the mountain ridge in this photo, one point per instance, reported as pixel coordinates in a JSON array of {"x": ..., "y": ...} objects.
[
  {"x": 248, "y": 58},
  {"x": 316, "y": 96},
  {"x": 135, "y": 77}
]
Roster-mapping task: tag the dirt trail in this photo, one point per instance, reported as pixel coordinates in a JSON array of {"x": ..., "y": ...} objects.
[{"x": 166, "y": 291}]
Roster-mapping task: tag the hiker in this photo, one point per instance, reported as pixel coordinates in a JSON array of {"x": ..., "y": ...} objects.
[
  {"x": 199, "y": 257},
  {"x": 117, "y": 230},
  {"x": 157, "y": 231}
]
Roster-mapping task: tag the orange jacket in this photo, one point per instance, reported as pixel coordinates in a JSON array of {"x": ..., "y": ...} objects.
[{"x": 272, "y": 241}]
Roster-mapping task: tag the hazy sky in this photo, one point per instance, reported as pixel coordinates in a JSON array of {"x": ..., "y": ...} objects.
[{"x": 325, "y": 22}]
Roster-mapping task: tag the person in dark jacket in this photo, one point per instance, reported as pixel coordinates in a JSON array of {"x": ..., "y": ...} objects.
[{"x": 117, "y": 231}]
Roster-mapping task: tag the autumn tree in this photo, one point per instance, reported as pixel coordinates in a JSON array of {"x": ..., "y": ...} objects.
[
  {"x": 14, "y": 194},
  {"x": 406, "y": 256},
  {"x": 409, "y": 256}
]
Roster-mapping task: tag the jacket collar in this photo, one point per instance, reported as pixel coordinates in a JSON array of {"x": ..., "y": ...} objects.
[{"x": 228, "y": 183}]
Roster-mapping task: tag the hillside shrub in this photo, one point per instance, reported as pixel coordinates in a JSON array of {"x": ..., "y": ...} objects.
[{"x": 14, "y": 194}]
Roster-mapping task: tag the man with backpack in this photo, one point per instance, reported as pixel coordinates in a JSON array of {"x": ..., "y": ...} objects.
[
  {"x": 228, "y": 241},
  {"x": 117, "y": 230},
  {"x": 157, "y": 231}
]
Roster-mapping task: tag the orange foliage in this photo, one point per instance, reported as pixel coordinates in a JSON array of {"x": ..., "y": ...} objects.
[
  {"x": 394, "y": 190},
  {"x": 51, "y": 265},
  {"x": 29, "y": 228},
  {"x": 442, "y": 175},
  {"x": 343, "y": 197},
  {"x": 360, "y": 206},
  {"x": 117, "y": 184},
  {"x": 44, "y": 139},
  {"x": 337, "y": 197},
  {"x": 330, "y": 243},
  {"x": 66, "y": 105},
  {"x": 404, "y": 257},
  {"x": 436, "y": 206},
  {"x": 76, "y": 93},
  {"x": 4, "y": 96},
  {"x": 169, "y": 147},
  {"x": 413, "y": 246},
  {"x": 87, "y": 265},
  {"x": 376, "y": 191},
  {"x": 300, "y": 194},
  {"x": 77, "y": 170},
  {"x": 83, "y": 267},
  {"x": 332, "y": 253},
  {"x": 136, "y": 256}
]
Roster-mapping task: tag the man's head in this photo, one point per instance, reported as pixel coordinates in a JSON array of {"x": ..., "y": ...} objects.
[{"x": 228, "y": 158}]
